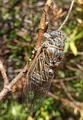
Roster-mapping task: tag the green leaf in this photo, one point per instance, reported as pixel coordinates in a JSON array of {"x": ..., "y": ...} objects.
[
  {"x": 6, "y": 16},
  {"x": 66, "y": 46},
  {"x": 79, "y": 35},
  {"x": 12, "y": 56},
  {"x": 73, "y": 48},
  {"x": 12, "y": 47},
  {"x": 27, "y": 38}
]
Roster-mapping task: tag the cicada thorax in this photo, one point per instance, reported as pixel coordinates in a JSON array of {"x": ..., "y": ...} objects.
[
  {"x": 41, "y": 72},
  {"x": 55, "y": 47}
]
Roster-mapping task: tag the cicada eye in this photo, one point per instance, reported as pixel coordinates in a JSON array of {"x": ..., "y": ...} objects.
[{"x": 53, "y": 34}]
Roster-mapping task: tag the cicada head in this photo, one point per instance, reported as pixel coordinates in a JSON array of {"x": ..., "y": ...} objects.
[
  {"x": 55, "y": 41},
  {"x": 55, "y": 38}
]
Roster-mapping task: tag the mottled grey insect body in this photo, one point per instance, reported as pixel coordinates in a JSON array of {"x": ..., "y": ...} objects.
[
  {"x": 54, "y": 41},
  {"x": 55, "y": 38},
  {"x": 41, "y": 72}
]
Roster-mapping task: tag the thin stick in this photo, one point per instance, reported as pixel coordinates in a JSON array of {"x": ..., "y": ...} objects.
[
  {"x": 4, "y": 75},
  {"x": 67, "y": 92},
  {"x": 42, "y": 24},
  {"x": 8, "y": 87},
  {"x": 72, "y": 104},
  {"x": 70, "y": 96},
  {"x": 65, "y": 79},
  {"x": 65, "y": 101},
  {"x": 71, "y": 6}
]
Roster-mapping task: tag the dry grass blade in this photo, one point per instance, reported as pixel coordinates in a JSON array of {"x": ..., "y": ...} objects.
[{"x": 64, "y": 22}]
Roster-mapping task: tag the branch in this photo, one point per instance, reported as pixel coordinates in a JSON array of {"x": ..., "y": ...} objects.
[
  {"x": 66, "y": 101},
  {"x": 77, "y": 65},
  {"x": 3, "y": 73},
  {"x": 79, "y": 104},
  {"x": 65, "y": 79},
  {"x": 71, "y": 68},
  {"x": 67, "y": 92},
  {"x": 8, "y": 87},
  {"x": 43, "y": 25}
]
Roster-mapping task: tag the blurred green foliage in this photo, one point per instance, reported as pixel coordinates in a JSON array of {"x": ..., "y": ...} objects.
[
  {"x": 12, "y": 110},
  {"x": 19, "y": 20}
]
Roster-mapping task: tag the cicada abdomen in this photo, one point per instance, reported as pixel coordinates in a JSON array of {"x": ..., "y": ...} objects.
[{"x": 42, "y": 69}]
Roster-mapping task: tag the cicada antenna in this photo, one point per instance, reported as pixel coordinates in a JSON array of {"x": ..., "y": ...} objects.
[{"x": 64, "y": 22}]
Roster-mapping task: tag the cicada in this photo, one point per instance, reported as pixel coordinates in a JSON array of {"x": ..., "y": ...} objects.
[{"x": 42, "y": 69}]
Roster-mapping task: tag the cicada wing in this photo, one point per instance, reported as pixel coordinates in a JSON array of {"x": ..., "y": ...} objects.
[
  {"x": 35, "y": 95},
  {"x": 38, "y": 80}
]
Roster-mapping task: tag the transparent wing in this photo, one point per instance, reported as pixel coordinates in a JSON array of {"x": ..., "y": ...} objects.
[
  {"x": 38, "y": 80},
  {"x": 34, "y": 97}
]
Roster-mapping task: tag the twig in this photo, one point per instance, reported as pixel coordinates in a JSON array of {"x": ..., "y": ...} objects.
[
  {"x": 57, "y": 86},
  {"x": 66, "y": 91},
  {"x": 68, "y": 94},
  {"x": 71, "y": 6},
  {"x": 22, "y": 44},
  {"x": 79, "y": 53},
  {"x": 65, "y": 79},
  {"x": 77, "y": 65},
  {"x": 65, "y": 101},
  {"x": 8, "y": 87},
  {"x": 71, "y": 68},
  {"x": 79, "y": 104},
  {"x": 42, "y": 25},
  {"x": 3, "y": 73}
]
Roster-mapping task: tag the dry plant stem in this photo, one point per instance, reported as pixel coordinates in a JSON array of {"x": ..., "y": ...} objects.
[
  {"x": 66, "y": 101},
  {"x": 42, "y": 23},
  {"x": 71, "y": 68},
  {"x": 77, "y": 65},
  {"x": 8, "y": 87},
  {"x": 66, "y": 79},
  {"x": 67, "y": 92},
  {"x": 79, "y": 104},
  {"x": 80, "y": 53},
  {"x": 3, "y": 73},
  {"x": 71, "y": 6}
]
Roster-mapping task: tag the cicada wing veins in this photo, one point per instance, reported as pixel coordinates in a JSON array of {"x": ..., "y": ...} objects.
[
  {"x": 38, "y": 80},
  {"x": 34, "y": 97}
]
